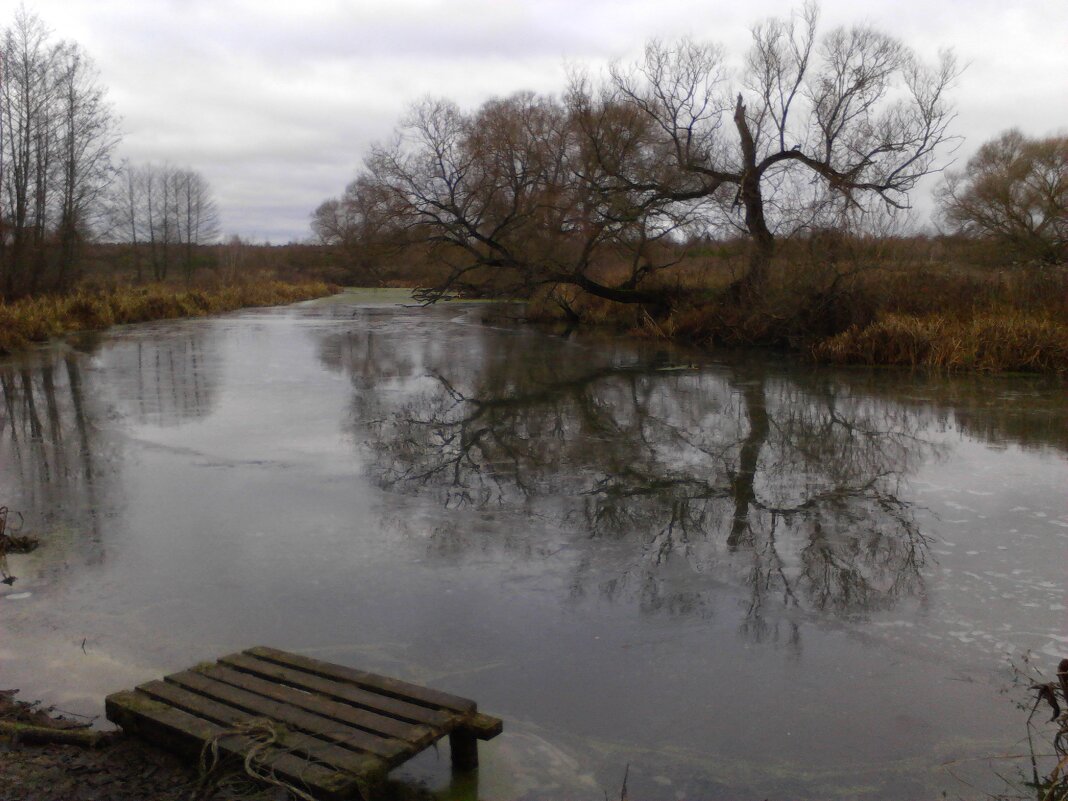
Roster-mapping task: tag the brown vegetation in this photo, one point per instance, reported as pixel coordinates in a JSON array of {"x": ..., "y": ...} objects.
[
  {"x": 987, "y": 342},
  {"x": 41, "y": 318},
  {"x": 49, "y": 757},
  {"x": 1014, "y": 193},
  {"x": 914, "y": 302}
]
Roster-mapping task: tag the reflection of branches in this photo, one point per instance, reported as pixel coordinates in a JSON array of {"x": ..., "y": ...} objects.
[
  {"x": 481, "y": 449},
  {"x": 768, "y": 574},
  {"x": 174, "y": 378},
  {"x": 51, "y": 447},
  {"x": 787, "y": 484}
]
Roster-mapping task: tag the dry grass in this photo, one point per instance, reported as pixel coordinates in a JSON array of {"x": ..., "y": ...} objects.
[
  {"x": 907, "y": 312},
  {"x": 986, "y": 342},
  {"x": 39, "y": 319}
]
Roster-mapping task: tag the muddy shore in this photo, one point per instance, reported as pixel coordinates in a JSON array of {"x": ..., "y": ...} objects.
[{"x": 117, "y": 768}]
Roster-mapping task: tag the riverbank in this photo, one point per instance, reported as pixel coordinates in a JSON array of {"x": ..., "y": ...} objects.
[
  {"x": 117, "y": 769},
  {"x": 24, "y": 322},
  {"x": 942, "y": 319},
  {"x": 114, "y": 768}
]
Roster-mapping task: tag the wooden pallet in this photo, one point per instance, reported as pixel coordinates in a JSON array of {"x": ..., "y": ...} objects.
[{"x": 340, "y": 730}]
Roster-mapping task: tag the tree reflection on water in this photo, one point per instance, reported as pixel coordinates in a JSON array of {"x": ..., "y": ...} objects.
[
  {"x": 56, "y": 447},
  {"x": 785, "y": 481},
  {"x": 49, "y": 443}
]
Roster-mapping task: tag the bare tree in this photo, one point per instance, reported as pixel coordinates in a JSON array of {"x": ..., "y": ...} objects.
[
  {"x": 512, "y": 197},
  {"x": 234, "y": 255},
  {"x": 26, "y": 101},
  {"x": 1014, "y": 190},
  {"x": 126, "y": 212},
  {"x": 812, "y": 124},
  {"x": 198, "y": 216},
  {"x": 58, "y": 135},
  {"x": 87, "y": 136},
  {"x": 166, "y": 210},
  {"x": 599, "y": 189},
  {"x": 360, "y": 225}
]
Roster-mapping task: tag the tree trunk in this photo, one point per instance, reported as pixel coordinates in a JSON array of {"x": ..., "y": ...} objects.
[
  {"x": 761, "y": 241},
  {"x": 743, "y": 483}
]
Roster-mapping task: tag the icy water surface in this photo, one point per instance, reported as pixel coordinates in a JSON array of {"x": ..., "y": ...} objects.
[{"x": 739, "y": 576}]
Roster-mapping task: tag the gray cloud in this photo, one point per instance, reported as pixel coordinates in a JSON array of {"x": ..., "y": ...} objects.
[{"x": 276, "y": 102}]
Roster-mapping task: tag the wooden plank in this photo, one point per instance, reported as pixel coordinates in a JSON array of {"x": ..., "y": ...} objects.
[
  {"x": 177, "y": 730},
  {"x": 483, "y": 727},
  {"x": 392, "y": 750},
  {"x": 394, "y": 688},
  {"x": 358, "y": 763},
  {"x": 172, "y": 728},
  {"x": 375, "y": 702},
  {"x": 343, "y": 713}
]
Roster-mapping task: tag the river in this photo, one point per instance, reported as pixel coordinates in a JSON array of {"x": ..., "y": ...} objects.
[{"x": 725, "y": 575}]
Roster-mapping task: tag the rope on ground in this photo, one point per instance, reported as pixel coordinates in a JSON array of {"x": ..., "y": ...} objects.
[{"x": 266, "y": 736}]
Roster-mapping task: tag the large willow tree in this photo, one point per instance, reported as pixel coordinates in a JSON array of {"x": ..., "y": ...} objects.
[
  {"x": 810, "y": 129},
  {"x": 591, "y": 189}
]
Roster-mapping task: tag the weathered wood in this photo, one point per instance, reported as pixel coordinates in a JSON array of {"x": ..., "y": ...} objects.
[
  {"x": 336, "y": 730},
  {"x": 482, "y": 727},
  {"x": 180, "y": 731},
  {"x": 394, "y": 751},
  {"x": 343, "y": 713},
  {"x": 355, "y": 762},
  {"x": 28, "y": 733},
  {"x": 464, "y": 749},
  {"x": 350, "y": 694},
  {"x": 394, "y": 688}
]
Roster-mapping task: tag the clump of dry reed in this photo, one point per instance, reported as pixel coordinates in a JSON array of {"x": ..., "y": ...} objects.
[
  {"x": 932, "y": 316},
  {"x": 39, "y": 319},
  {"x": 990, "y": 341}
]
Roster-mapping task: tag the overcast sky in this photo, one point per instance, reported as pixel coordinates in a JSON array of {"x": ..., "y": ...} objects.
[{"x": 276, "y": 103}]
